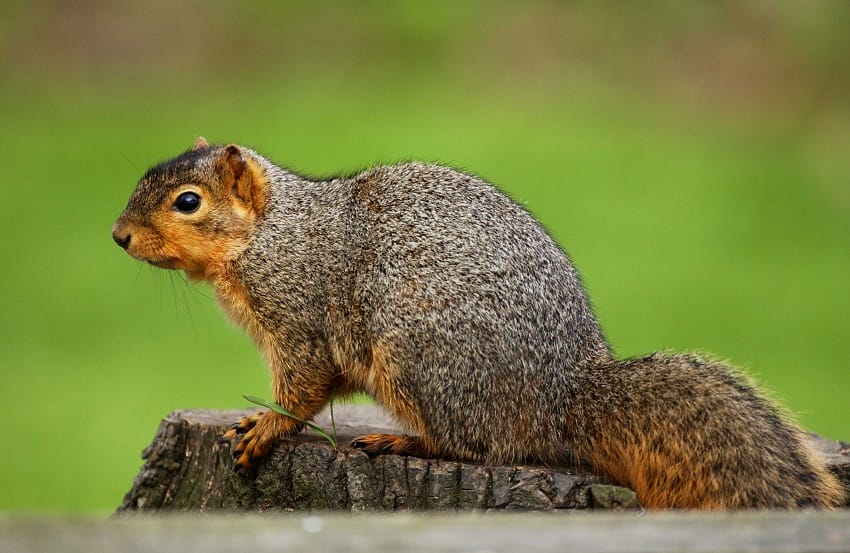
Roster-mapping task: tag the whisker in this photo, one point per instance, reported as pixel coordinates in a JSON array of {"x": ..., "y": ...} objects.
[
  {"x": 159, "y": 281},
  {"x": 193, "y": 289},
  {"x": 138, "y": 272},
  {"x": 174, "y": 296},
  {"x": 185, "y": 299},
  {"x": 135, "y": 165}
]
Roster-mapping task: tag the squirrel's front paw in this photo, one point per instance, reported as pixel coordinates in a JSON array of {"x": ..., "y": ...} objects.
[{"x": 253, "y": 437}]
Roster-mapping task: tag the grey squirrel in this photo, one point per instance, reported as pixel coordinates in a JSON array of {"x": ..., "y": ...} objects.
[{"x": 449, "y": 304}]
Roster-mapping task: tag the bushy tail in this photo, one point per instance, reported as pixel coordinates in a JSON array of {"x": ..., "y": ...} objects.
[{"x": 685, "y": 432}]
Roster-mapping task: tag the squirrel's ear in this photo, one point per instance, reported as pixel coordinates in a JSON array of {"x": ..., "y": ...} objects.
[
  {"x": 237, "y": 175},
  {"x": 200, "y": 142}
]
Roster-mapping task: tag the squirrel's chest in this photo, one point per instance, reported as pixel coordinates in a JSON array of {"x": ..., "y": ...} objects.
[
  {"x": 235, "y": 302},
  {"x": 271, "y": 317}
]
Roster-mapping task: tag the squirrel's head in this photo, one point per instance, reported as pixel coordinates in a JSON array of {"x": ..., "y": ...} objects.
[{"x": 196, "y": 211}]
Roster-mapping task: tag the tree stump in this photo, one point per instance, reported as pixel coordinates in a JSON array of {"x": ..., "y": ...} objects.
[{"x": 186, "y": 469}]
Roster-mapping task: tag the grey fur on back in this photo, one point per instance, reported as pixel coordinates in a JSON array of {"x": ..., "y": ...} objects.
[
  {"x": 493, "y": 345},
  {"x": 470, "y": 295}
]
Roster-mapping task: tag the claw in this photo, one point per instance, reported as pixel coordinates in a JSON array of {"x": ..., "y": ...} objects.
[
  {"x": 252, "y": 438},
  {"x": 243, "y": 461},
  {"x": 376, "y": 444}
]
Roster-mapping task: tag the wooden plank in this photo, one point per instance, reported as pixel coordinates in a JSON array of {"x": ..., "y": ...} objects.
[{"x": 790, "y": 532}]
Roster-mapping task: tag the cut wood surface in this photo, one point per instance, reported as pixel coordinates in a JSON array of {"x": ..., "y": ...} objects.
[{"x": 187, "y": 469}]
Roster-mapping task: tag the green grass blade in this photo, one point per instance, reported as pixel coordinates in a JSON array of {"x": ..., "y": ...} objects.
[
  {"x": 286, "y": 412},
  {"x": 331, "y": 407}
]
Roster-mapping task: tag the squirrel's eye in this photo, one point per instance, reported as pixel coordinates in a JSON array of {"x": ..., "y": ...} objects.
[{"x": 187, "y": 202}]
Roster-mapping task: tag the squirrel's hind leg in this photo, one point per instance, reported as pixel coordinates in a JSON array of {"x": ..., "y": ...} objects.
[{"x": 375, "y": 444}]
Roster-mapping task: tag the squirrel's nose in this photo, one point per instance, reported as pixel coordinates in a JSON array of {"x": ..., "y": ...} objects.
[{"x": 121, "y": 238}]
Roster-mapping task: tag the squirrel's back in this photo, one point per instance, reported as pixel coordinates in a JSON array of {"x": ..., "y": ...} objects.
[{"x": 482, "y": 315}]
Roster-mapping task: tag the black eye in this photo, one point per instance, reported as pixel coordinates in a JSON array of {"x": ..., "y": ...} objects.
[{"x": 187, "y": 202}]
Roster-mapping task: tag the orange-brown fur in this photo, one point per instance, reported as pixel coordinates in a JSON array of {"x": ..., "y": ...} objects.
[
  {"x": 689, "y": 449},
  {"x": 377, "y": 378},
  {"x": 166, "y": 239},
  {"x": 376, "y": 444}
]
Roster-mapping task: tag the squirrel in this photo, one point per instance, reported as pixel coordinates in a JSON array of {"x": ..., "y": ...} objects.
[{"x": 444, "y": 300}]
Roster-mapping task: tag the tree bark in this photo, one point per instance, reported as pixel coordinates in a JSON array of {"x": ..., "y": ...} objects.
[{"x": 186, "y": 469}]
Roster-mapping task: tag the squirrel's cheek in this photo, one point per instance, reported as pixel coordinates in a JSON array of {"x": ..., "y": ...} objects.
[
  {"x": 188, "y": 258},
  {"x": 200, "y": 258}
]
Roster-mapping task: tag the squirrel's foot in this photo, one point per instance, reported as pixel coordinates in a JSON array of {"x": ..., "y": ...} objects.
[
  {"x": 374, "y": 444},
  {"x": 253, "y": 436}
]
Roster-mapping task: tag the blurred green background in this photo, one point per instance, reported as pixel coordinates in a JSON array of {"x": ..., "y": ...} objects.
[{"x": 691, "y": 156}]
